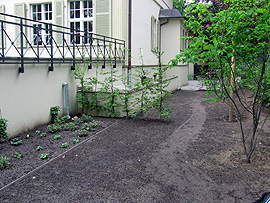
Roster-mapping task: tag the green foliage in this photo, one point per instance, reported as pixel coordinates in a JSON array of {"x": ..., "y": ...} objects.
[
  {"x": 57, "y": 137},
  {"x": 3, "y": 129},
  {"x": 39, "y": 148},
  {"x": 70, "y": 126},
  {"x": 241, "y": 32},
  {"x": 62, "y": 120},
  {"x": 95, "y": 124},
  {"x": 104, "y": 97},
  {"x": 64, "y": 145},
  {"x": 4, "y": 164},
  {"x": 86, "y": 127},
  {"x": 16, "y": 142},
  {"x": 38, "y": 132},
  {"x": 111, "y": 100},
  {"x": 79, "y": 74},
  {"x": 82, "y": 133},
  {"x": 18, "y": 155},
  {"x": 85, "y": 118},
  {"x": 75, "y": 141},
  {"x": 153, "y": 92},
  {"x": 180, "y": 5},
  {"x": 55, "y": 128},
  {"x": 54, "y": 113},
  {"x": 43, "y": 135},
  {"x": 44, "y": 156}
]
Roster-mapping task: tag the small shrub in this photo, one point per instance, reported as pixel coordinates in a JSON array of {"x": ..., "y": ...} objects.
[
  {"x": 4, "y": 164},
  {"x": 86, "y": 127},
  {"x": 57, "y": 137},
  {"x": 70, "y": 126},
  {"x": 44, "y": 156},
  {"x": 18, "y": 155},
  {"x": 92, "y": 124},
  {"x": 64, "y": 145},
  {"x": 82, "y": 133},
  {"x": 16, "y": 142},
  {"x": 62, "y": 120},
  {"x": 39, "y": 148},
  {"x": 75, "y": 141},
  {"x": 54, "y": 113},
  {"x": 3, "y": 130},
  {"x": 95, "y": 124},
  {"x": 55, "y": 128},
  {"x": 85, "y": 118}
]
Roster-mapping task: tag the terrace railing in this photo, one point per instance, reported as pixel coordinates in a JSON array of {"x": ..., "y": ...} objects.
[{"x": 25, "y": 41}]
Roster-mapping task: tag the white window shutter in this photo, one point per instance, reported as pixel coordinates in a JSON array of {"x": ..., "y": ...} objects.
[
  {"x": 2, "y": 17},
  {"x": 182, "y": 34},
  {"x": 158, "y": 37},
  {"x": 19, "y": 10},
  {"x": 103, "y": 17},
  {"x": 58, "y": 19},
  {"x": 153, "y": 33}
]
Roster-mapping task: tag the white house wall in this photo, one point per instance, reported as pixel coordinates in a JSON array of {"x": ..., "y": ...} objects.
[
  {"x": 165, "y": 4},
  {"x": 142, "y": 11},
  {"x": 25, "y": 99},
  {"x": 170, "y": 44}
]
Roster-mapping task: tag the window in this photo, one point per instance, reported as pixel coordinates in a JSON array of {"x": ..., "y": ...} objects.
[
  {"x": 41, "y": 33},
  {"x": 183, "y": 42},
  {"x": 153, "y": 33},
  {"x": 81, "y": 19},
  {"x": 2, "y": 17}
]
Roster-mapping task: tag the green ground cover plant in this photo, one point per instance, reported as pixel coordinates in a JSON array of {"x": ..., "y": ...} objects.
[
  {"x": 75, "y": 141},
  {"x": 43, "y": 135},
  {"x": 3, "y": 129},
  {"x": 64, "y": 145},
  {"x": 44, "y": 156},
  {"x": 57, "y": 137},
  {"x": 39, "y": 148},
  {"x": 4, "y": 163},
  {"x": 16, "y": 142},
  {"x": 18, "y": 155}
]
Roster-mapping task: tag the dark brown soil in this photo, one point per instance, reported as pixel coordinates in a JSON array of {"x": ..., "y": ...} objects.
[{"x": 195, "y": 156}]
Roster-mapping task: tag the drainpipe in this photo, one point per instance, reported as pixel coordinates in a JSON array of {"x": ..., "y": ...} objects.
[
  {"x": 129, "y": 40},
  {"x": 65, "y": 85}
]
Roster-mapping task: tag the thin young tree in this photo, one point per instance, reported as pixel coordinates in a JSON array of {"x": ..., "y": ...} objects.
[{"x": 240, "y": 29}]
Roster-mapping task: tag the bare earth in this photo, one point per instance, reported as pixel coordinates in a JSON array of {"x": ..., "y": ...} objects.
[{"x": 195, "y": 156}]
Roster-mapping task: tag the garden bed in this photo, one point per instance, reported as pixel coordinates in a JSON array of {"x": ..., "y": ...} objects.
[{"x": 41, "y": 142}]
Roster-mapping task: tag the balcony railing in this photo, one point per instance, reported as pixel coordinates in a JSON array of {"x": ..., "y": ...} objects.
[{"x": 25, "y": 41}]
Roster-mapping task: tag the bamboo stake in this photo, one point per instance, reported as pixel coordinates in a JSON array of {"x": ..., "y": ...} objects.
[{"x": 232, "y": 87}]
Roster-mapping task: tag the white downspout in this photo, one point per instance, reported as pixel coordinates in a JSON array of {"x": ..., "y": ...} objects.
[{"x": 66, "y": 97}]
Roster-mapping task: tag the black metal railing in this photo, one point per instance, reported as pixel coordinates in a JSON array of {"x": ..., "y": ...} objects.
[{"x": 25, "y": 41}]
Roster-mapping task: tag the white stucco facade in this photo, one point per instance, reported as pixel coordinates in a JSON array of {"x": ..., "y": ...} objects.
[{"x": 25, "y": 99}]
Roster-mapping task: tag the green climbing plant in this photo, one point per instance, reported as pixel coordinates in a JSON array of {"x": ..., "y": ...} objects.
[{"x": 54, "y": 113}]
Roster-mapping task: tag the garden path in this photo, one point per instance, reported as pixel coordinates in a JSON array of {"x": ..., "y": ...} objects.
[{"x": 179, "y": 160}]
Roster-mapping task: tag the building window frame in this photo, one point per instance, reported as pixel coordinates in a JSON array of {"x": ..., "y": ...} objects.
[
  {"x": 81, "y": 18},
  {"x": 154, "y": 33},
  {"x": 183, "y": 42},
  {"x": 41, "y": 31}
]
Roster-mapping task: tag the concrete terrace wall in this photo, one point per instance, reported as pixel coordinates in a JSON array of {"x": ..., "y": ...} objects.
[{"x": 25, "y": 99}]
